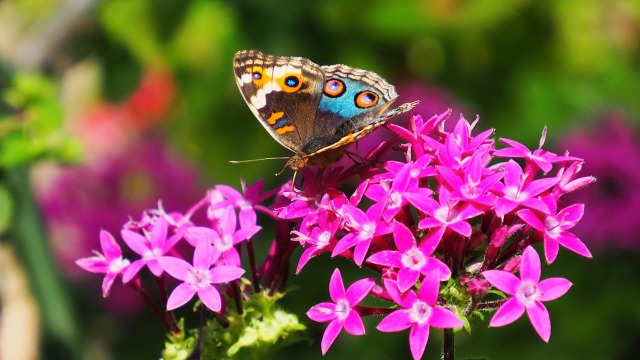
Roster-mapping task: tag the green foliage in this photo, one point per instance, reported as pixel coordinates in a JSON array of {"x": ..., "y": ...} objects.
[
  {"x": 262, "y": 329},
  {"x": 35, "y": 132}
]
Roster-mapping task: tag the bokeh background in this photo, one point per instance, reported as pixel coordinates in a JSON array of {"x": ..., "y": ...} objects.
[{"x": 109, "y": 106}]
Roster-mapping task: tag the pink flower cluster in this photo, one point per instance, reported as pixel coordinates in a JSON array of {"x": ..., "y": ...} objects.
[
  {"x": 453, "y": 207},
  {"x": 452, "y": 212}
]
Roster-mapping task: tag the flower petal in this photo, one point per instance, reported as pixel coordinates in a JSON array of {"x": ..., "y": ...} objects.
[
  {"x": 225, "y": 273},
  {"x": 353, "y": 324},
  {"x": 330, "y": 334},
  {"x": 396, "y": 321},
  {"x": 503, "y": 280},
  {"x": 530, "y": 265},
  {"x": 553, "y": 288},
  {"x": 175, "y": 267},
  {"x": 442, "y": 318},
  {"x": 539, "y": 317},
  {"x": 211, "y": 298},
  {"x": 180, "y": 296},
  {"x": 573, "y": 243},
  {"x": 336, "y": 286},
  {"x": 358, "y": 290},
  {"x": 109, "y": 245},
  {"x": 418, "y": 337},
  {"x": 509, "y": 312},
  {"x": 322, "y": 312}
]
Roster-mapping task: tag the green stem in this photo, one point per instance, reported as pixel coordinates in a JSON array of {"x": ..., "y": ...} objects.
[{"x": 59, "y": 326}]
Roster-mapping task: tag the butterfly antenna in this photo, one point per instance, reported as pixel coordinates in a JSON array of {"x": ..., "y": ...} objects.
[
  {"x": 253, "y": 160},
  {"x": 283, "y": 169}
]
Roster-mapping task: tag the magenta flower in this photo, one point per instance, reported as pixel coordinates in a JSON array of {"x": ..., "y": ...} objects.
[
  {"x": 226, "y": 237},
  {"x": 364, "y": 227},
  {"x": 446, "y": 213},
  {"x": 472, "y": 186},
  {"x": 411, "y": 259},
  {"x": 111, "y": 263},
  {"x": 540, "y": 157},
  {"x": 150, "y": 249},
  {"x": 527, "y": 293},
  {"x": 247, "y": 201},
  {"x": 520, "y": 190},
  {"x": 318, "y": 238},
  {"x": 419, "y": 312},
  {"x": 555, "y": 228},
  {"x": 200, "y": 277},
  {"x": 340, "y": 313}
]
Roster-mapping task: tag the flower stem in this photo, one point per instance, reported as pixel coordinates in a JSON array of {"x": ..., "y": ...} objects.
[{"x": 448, "y": 345}]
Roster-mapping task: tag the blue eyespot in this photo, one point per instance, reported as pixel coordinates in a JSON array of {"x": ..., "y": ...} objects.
[
  {"x": 291, "y": 81},
  {"x": 257, "y": 75}
]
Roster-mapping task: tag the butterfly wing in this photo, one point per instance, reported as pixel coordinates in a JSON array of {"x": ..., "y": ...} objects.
[
  {"x": 354, "y": 102},
  {"x": 282, "y": 92}
]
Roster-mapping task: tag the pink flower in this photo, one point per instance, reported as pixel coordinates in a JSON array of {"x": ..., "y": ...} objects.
[
  {"x": 527, "y": 293},
  {"x": 111, "y": 263},
  {"x": 226, "y": 237},
  {"x": 150, "y": 249},
  {"x": 411, "y": 259},
  {"x": 555, "y": 227},
  {"x": 543, "y": 159},
  {"x": 340, "y": 313},
  {"x": 418, "y": 312},
  {"x": 364, "y": 227},
  {"x": 200, "y": 277},
  {"x": 521, "y": 190},
  {"x": 446, "y": 213},
  {"x": 247, "y": 201}
]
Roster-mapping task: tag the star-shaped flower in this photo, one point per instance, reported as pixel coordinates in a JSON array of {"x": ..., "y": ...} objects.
[
  {"x": 411, "y": 259},
  {"x": 150, "y": 248},
  {"x": 340, "y": 313},
  {"x": 527, "y": 293},
  {"x": 199, "y": 278},
  {"x": 111, "y": 263},
  {"x": 555, "y": 227},
  {"x": 364, "y": 227},
  {"x": 418, "y": 312}
]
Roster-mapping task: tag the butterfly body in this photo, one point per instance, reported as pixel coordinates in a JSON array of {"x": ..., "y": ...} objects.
[{"x": 314, "y": 111}]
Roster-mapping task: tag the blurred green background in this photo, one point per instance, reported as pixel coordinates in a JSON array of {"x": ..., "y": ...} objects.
[{"x": 112, "y": 105}]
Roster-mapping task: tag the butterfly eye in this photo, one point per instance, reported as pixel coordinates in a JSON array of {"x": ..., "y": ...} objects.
[
  {"x": 366, "y": 99},
  {"x": 290, "y": 82},
  {"x": 333, "y": 88}
]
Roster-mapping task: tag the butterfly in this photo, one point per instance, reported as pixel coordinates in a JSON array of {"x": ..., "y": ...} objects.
[{"x": 314, "y": 111}]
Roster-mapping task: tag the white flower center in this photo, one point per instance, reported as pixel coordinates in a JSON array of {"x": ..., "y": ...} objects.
[
  {"x": 368, "y": 229},
  {"x": 527, "y": 293},
  {"x": 117, "y": 265},
  {"x": 553, "y": 227},
  {"x": 342, "y": 309},
  {"x": 323, "y": 239},
  {"x": 414, "y": 259},
  {"x": 152, "y": 254},
  {"x": 226, "y": 242},
  {"x": 198, "y": 278},
  {"x": 395, "y": 200},
  {"x": 420, "y": 312}
]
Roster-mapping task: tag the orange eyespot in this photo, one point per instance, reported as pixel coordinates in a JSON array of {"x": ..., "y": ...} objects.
[
  {"x": 334, "y": 88},
  {"x": 366, "y": 99},
  {"x": 290, "y": 82},
  {"x": 258, "y": 76}
]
